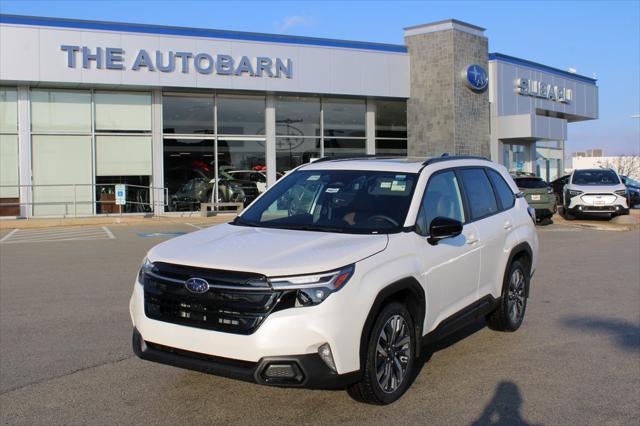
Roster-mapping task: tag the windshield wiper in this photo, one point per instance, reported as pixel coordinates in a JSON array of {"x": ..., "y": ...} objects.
[{"x": 309, "y": 228}]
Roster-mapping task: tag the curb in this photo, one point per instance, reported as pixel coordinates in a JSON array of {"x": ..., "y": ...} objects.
[
  {"x": 7, "y": 224},
  {"x": 597, "y": 225}
]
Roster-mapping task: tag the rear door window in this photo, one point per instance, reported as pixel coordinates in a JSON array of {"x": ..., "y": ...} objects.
[{"x": 479, "y": 193}]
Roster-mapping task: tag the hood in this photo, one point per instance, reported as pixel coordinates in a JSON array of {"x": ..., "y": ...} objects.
[
  {"x": 268, "y": 251},
  {"x": 596, "y": 189}
]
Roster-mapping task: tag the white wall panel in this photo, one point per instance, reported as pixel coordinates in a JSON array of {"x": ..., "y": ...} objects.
[{"x": 32, "y": 54}]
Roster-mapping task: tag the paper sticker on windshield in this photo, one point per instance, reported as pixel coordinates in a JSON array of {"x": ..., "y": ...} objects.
[
  {"x": 401, "y": 177},
  {"x": 332, "y": 190},
  {"x": 313, "y": 177},
  {"x": 398, "y": 186},
  {"x": 385, "y": 185}
]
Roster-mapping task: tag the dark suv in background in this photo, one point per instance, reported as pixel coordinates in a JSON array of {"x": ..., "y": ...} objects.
[{"x": 538, "y": 194}]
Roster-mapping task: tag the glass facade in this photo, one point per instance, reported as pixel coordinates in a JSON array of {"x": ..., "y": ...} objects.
[
  {"x": 213, "y": 146},
  {"x": 85, "y": 139},
  {"x": 391, "y": 128},
  {"x": 549, "y": 160},
  {"x": 223, "y": 137},
  {"x": 9, "y": 161}
]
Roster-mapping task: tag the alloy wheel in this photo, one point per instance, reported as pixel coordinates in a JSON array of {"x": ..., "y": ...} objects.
[
  {"x": 393, "y": 353},
  {"x": 516, "y": 297}
]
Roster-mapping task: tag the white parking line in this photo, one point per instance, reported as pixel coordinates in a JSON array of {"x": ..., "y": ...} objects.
[
  {"x": 195, "y": 226},
  {"x": 57, "y": 234},
  {"x": 6, "y": 237},
  {"x": 109, "y": 233}
]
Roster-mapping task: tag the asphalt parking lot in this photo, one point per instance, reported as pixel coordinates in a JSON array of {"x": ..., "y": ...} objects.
[{"x": 65, "y": 355}]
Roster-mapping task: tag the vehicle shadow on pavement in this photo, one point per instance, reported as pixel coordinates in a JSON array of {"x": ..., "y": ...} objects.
[
  {"x": 625, "y": 334},
  {"x": 504, "y": 408},
  {"x": 428, "y": 350}
]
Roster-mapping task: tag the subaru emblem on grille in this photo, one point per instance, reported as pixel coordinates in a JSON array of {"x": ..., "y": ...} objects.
[{"x": 196, "y": 285}]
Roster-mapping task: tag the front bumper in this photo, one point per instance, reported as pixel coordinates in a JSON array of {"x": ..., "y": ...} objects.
[
  {"x": 307, "y": 370},
  {"x": 609, "y": 209},
  {"x": 587, "y": 203},
  {"x": 294, "y": 331}
]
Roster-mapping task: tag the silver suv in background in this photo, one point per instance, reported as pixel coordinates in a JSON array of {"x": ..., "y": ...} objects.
[{"x": 595, "y": 192}]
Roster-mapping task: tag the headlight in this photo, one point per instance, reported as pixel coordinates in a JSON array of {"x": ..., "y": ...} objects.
[
  {"x": 145, "y": 268},
  {"x": 573, "y": 193},
  {"x": 621, "y": 192},
  {"x": 549, "y": 190},
  {"x": 315, "y": 288}
]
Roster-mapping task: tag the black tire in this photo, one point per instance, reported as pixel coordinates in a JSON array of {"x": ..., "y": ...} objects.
[
  {"x": 567, "y": 215},
  {"x": 514, "y": 297},
  {"x": 369, "y": 389}
]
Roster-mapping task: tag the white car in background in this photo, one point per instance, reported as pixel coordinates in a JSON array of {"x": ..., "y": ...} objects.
[{"x": 595, "y": 192}]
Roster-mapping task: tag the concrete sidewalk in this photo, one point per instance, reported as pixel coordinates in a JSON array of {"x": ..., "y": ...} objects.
[
  {"x": 630, "y": 222},
  {"x": 6, "y": 224}
]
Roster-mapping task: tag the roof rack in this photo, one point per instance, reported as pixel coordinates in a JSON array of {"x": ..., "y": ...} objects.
[
  {"x": 447, "y": 157},
  {"x": 361, "y": 157}
]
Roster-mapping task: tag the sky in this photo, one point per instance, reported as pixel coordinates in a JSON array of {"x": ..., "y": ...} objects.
[{"x": 597, "y": 38}]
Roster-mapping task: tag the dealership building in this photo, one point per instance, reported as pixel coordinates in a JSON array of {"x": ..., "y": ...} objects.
[{"x": 170, "y": 111}]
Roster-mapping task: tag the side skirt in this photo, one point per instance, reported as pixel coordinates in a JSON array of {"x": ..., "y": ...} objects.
[{"x": 468, "y": 315}]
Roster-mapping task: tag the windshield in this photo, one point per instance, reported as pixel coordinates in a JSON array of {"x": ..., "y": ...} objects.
[
  {"x": 595, "y": 177},
  {"x": 631, "y": 182},
  {"x": 530, "y": 183},
  {"x": 350, "y": 201}
]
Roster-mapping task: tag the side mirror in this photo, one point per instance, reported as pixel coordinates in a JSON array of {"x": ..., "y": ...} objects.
[{"x": 443, "y": 227}]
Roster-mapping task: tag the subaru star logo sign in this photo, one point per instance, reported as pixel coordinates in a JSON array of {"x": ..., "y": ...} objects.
[
  {"x": 476, "y": 78},
  {"x": 197, "y": 285}
]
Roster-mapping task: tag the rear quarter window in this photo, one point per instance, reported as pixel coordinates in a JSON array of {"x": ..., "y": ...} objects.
[{"x": 505, "y": 195}]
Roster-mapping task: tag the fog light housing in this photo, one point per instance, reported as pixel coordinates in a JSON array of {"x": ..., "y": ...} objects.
[
  {"x": 327, "y": 356},
  {"x": 282, "y": 372}
]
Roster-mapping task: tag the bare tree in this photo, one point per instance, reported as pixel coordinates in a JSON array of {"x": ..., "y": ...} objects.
[{"x": 626, "y": 165}]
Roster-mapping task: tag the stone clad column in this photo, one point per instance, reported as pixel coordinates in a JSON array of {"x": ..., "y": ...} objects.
[{"x": 443, "y": 113}]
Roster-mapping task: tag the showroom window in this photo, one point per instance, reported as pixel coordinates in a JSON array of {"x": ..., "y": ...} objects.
[
  {"x": 82, "y": 138},
  {"x": 241, "y": 115},
  {"x": 123, "y": 150},
  {"x": 344, "y": 127},
  {"x": 199, "y": 126},
  {"x": 391, "y": 128},
  {"x": 298, "y": 137},
  {"x": 188, "y": 122},
  {"x": 188, "y": 114},
  {"x": 61, "y": 149},
  {"x": 9, "y": 172}
]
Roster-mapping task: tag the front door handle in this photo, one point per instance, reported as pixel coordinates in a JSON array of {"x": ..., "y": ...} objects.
[{"x": 471, "y": 240}]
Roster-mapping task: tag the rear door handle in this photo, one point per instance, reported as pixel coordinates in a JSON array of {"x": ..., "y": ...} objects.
[{"x": 508, "y": 225}]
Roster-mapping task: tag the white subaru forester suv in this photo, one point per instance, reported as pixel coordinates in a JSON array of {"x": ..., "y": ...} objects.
[{"x": 339, "y": 275}]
